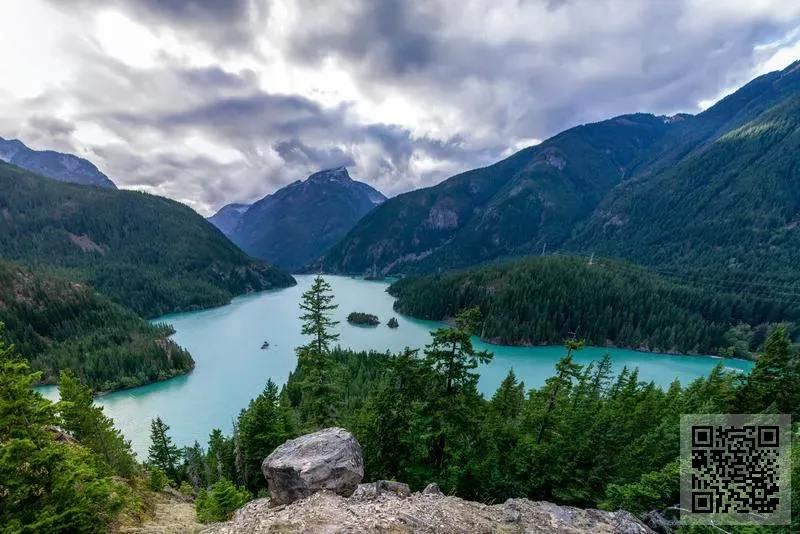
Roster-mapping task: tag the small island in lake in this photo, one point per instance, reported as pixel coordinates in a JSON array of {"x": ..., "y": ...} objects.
[
  {"x": 392, "y": 323},
  {"x": 363, "y": 319}
]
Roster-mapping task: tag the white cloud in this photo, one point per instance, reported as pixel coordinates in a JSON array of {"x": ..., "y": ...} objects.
[{"x": 211, "y": 102}]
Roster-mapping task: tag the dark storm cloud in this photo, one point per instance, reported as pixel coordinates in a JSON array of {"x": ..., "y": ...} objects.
[
  {"x": 51, "y": 126},
  {"x": 226, "y": 24},
  {"x": 521, "y": 87},
  {"x": 294, "y": 151},
  {"x": 393, "y": 37}
]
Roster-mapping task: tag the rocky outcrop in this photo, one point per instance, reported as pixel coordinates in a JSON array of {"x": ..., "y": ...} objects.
[
  {"x": 314, "y": 483},
  {"x": 419, "y": 513},
  {"x": 329, "y": 459}
]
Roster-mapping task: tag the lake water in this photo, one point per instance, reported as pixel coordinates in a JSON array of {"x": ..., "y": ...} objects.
[{"x": 231, "y": 367}]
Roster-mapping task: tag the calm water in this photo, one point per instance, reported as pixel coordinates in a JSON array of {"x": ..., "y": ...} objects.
[{"x": 231, "y": 367}]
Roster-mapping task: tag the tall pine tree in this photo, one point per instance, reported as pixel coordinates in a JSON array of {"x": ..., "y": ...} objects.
[
  {"x": 91, "y": 427},
  {"x": 320, "y": 401},
  {"x": 162, "y": 453}
]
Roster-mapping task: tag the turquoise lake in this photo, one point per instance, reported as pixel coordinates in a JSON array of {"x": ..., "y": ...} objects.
[{"x": 232, "y": 368}]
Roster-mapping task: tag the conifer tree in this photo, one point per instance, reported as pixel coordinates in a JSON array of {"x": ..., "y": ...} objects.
[
  {"x": 38, "y": 475},
  {"x": 320, "y": 399},
  {"x": 162, "y": 453},
  {"x": 317, "y": 304},
  {"x": 451, "y": 359},
  {"x": 773, "y": 383},
  {"x": 91, "y": 427}
]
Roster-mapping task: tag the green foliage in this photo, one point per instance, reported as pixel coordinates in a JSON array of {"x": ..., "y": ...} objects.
[
  {"x": 91, "y": 427},
  {"x": 392, "y": 323},
  {"x": 186, "y": 489},
  {"x": 774, "y": 382},
  {"x": 319, "y": 399},
  {"x": 58, "y": 324},
  {"x": 363, "y": 318},
  {"x": 153, "y": 255},
  {"x": 163, "y": 453},
  {"x": 157, "y": 479},
  {"x": 263, "y": 426},
  {"x": 586, "y": 438},
  {"x": 654, "y": 491},
  {"x": 47, "y": 486},
  {"x": 541, "y": 300},
  {"x": 220, "y": 502},
  {"x": 316, "y": 305}
]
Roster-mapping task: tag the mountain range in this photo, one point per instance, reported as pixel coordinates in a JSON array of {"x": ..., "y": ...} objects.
[
  {"x": 297, "y": 223},
  {"x": 707, "y": 194},
  {"x": 55, "y": 165}
]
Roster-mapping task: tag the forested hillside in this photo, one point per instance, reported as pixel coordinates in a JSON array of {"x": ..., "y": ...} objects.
[
  {"x": 711, "y": 195},
  {"x": 542, "y": 300},
  {"x": 728, "y": 213},
  {"x": 148, "y": 253},
  {"x": 57, "y": 324}
]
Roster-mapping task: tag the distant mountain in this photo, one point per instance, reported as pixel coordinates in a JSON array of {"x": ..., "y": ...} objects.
[
  {"x": 148, "y": 253},
  {"x": 228, "y": 217},
  {"x": 714, "y": 192},
  {"x": 297, "y": 223},
  {"x": 55, "y": 165}
]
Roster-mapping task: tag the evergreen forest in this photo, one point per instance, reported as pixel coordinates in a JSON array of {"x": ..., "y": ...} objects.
[{"x": 543, "y": 300}]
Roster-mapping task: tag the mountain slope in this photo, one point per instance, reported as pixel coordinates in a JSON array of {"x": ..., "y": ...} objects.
[
  {"x": 512, "y": 207},
  {"x": 151, "y": 254},
  {"x": 297, "y": 223},
  {"x": 58, "y": 324},
  {"x": 62, "y": 167},
  {"x": 730, "y": 209},
  {"x": 635, "y": 187},
  {"x": 228, "y": 217}
]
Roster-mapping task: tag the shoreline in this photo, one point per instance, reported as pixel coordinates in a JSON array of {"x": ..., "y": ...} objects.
[{"x": 103, "y": 393}]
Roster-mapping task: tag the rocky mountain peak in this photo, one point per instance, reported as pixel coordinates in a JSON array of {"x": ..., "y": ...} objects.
[
  {"x": 338, "y": 174},
  {"x": 55, "y": 165}
]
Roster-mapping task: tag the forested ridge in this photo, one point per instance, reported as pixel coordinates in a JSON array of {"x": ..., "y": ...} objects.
[
  {"x": 150, "y": 254},
  {"x": 542, "y": 300},
  {"x": 57, "y": 324}
]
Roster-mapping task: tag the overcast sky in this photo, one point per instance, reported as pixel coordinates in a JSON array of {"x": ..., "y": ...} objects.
[{"x": 217, "y": 101}]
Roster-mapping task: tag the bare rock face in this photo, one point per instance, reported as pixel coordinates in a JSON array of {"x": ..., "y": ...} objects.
[
  {"x": 329, "y": 459},
  {"x": 327, "y": 513}
]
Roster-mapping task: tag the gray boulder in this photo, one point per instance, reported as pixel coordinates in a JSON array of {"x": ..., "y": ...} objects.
[
  {"x": 329, "y": 459},
  {"x": 370, "y": 491},
  {"x": 432, "y": 489}
]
